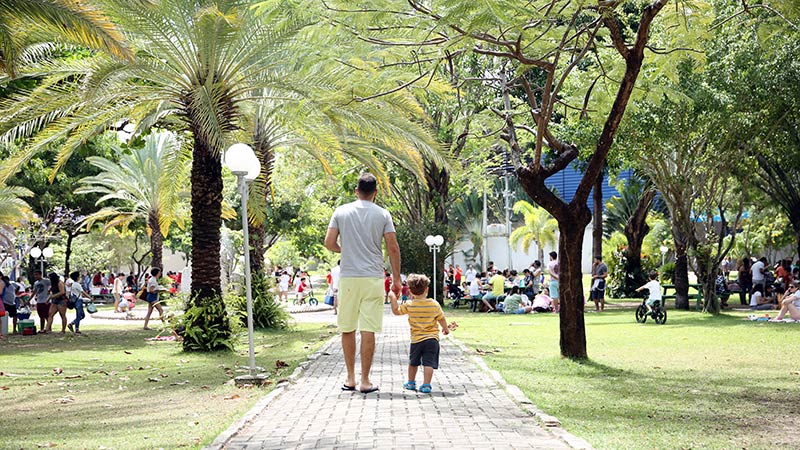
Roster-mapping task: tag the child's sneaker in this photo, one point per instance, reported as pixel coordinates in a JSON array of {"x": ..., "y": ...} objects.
[
  {"x": 410, "y": 385},
  {"x": 425, "y": 389}
]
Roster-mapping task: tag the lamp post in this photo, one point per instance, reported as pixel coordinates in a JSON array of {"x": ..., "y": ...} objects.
[
  {"x": 40, "y": 255},
  {"x": 434, "y": 242},
  {"x": 242, "y": 162},
  {"x": 664, "y": 249}
]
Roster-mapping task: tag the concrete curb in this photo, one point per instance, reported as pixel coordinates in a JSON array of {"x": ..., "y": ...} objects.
[
  {"x": 550, "y": 423},
  {"x": 223, "y": 438}
]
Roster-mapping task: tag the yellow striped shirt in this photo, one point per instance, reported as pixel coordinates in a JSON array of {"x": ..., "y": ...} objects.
[{"x": 423, "y": 317}]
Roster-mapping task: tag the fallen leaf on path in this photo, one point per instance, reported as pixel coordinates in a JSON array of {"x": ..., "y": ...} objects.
[
  {"x": 163, "y": 375},
  {"x": 184, "y": 361},
  {"x": 71, "y": 377},
  {"x": 205, "y": 387},
  {"x": 58, "y": 370},
  {"x": 127, "y": 352},
  {"x": 41, "y": 383},
  {"x": 231, "y": 397},
  {"x": 193, "y": 424},
  {"x": 280, "y": 364},
  {"x": 124, "y": 379},
  {"x": 64, "y": 400},
  {"x": 154, "y": 380},
  {"x": 795, "y": 372},
  {"x": 179, "y": 383},
  {"x": 129, "y": 368},
  {"x": 3, "y": 388},
  {"x": 47, "y": 445}
]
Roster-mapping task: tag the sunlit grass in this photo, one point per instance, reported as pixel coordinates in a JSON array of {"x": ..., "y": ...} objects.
[{"x": 697, "y": 382}]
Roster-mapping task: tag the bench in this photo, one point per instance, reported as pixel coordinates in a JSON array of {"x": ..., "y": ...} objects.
[
  {"x": 99, "y": 296},
  {"x": 473, "y": 302},
  {"x": 698, "y": 297}
]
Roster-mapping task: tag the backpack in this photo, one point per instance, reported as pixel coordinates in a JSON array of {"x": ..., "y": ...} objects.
[{"x": 142, "y": 294}]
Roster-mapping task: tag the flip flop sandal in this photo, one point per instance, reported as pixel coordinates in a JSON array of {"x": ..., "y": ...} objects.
[
  {"x": 425, "y": 389},
  {"x": 372, "y": 389},
  {"x": 348, "y": 388},
  {"x": 410, "y": 385}
]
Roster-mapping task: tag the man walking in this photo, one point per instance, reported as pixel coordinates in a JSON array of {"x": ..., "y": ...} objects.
[{"x": 357, "y": 231}]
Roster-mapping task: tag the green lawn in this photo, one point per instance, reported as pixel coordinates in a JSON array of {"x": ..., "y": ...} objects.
[
  {"x": 104, "y": 396},
  {"x": 697, "y": 382}
]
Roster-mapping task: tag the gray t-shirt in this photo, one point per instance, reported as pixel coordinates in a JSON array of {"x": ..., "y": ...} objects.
[
  {"x": 601, "y": 269},
  {"x": 41, "y": 289},
  {"x": 361, "y": 226}
]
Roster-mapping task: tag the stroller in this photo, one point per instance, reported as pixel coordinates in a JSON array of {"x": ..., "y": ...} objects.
[{"x": 454, "y": 292}]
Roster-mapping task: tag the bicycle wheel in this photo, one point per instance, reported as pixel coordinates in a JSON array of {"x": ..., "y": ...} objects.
[
  {"x": 313, "y": 302},
  {"x": 641, "y": 314},
  {"x": 295, "y": 302},
  {"x": 661, "y": 316}
]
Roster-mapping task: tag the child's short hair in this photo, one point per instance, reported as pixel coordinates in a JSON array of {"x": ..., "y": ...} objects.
[
  {"x": 417, "y": 283},
  {"x": 653, "y": 275}
]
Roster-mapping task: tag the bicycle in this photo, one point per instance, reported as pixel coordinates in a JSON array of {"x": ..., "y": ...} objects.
[{"x": 302, "y": 300}]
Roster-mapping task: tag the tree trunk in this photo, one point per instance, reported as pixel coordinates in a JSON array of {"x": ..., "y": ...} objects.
[
  {"x": 156, "y": 241},
  {"x": 438, "y": 191},
  {"x": 681, "y": 270},
  {"x": 67, "y": 254},
  {"x": 635, "y": 231},
  {"x": 541, "y": 252},
  {"x": 258, "y": 236},
  {"x": 206, "y": 206},
  {"x": 597, "y": 226},
  {"x": 570, "y": 286}
]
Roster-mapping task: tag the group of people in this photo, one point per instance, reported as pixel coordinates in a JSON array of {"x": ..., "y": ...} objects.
[
  {"x": 53, "y": 295},
  {"x": 766, "y": 286},
  {"x": 508, "y": 291}
]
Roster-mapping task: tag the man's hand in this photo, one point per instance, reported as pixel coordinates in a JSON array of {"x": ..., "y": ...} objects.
[{"x": 397, "y": 286}]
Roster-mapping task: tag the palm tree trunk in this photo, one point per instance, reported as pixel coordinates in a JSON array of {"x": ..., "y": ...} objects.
[
  {"x": 156, "y": 240},
  {"x": 258, "y": 242},
  {"x": 206, "y": 206}
]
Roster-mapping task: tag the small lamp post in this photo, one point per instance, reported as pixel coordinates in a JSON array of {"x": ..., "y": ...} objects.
[
  {"x": 664, "y": 249},
  {"x": 40, "y": 255},
  {"x": 434, "y": 242},
  {"x": 242, "y": 162}
]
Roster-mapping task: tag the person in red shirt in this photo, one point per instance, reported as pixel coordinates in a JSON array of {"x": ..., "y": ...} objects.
[
  {"x": 387, "y": 286},
  {"x": 458, "y": 274}
]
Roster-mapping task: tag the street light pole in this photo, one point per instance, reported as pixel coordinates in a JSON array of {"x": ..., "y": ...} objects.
[
  {"x": 243, "y": 163},
  {"x": 434, "y": 242}
]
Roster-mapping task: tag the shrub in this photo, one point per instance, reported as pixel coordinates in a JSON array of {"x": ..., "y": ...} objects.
[
  {"x": 267, "y": 313},
  {"x": 206, "y": 326},
  {"x": 667, "y": 273}
]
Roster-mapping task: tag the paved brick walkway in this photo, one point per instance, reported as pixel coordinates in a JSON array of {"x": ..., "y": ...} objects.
[{"x": 467, "y": 409}]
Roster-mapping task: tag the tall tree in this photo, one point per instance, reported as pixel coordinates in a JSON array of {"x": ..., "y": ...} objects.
[
  {"x": 147, "y": 184},
  {"x": 532, "y": 42}
]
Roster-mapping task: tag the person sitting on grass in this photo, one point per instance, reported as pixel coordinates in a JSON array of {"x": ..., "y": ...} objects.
[
  {"x": 790, "y": 304},
  {"x": 423, "y": 315},
  {"x": 515, "y": 304},
  {"x": 655, "y": 292},
  {"x": 757, "y": 300},
  {"x": 542, "y": 303}
]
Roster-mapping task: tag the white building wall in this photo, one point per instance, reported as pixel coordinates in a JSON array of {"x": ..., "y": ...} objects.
[{"x": 497, "y": 252}]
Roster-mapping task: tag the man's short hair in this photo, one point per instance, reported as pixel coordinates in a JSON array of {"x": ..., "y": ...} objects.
[
  {"x": 598, "y": 257},
  {"x": 367, "y": 183},
  {"x": 417, "y": 283},
  {"x": 553, "y": 255}
]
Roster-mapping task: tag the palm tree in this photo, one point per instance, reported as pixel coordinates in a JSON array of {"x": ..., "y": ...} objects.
[
  {"x": 147, "y": 184},
  {"x": 13, "y": 211},
  {"x": 200, "y": 65},
  {"x": 24, "y": 22},
  {"x": 466, "y": 215},
  {"x": 540, "y": 228}
]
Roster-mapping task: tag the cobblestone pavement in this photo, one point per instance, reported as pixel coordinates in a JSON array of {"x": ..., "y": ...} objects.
[{"x": 467, "y": 409}]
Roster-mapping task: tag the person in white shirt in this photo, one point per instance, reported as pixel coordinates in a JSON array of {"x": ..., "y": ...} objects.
[
  {"x": 654, "y": 287},
  {"x": 283, "y": 286},
  {"x": 790, "y": 304},
  {"x": 470, "y": 273},
  {"x": 757, "y": 301},
  {"x": 757, "y": 269}
]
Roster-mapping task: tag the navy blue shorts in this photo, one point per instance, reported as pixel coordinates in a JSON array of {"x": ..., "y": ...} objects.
[{"x": 425, "y": 353}]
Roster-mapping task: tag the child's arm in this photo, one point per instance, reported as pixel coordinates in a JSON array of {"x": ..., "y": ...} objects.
[
  {"x": 443, "y": 324},
  {"x": 393, "y": 300}
]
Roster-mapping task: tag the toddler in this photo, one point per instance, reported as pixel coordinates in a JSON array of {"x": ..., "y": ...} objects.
[{"x": 424, "y": 315}]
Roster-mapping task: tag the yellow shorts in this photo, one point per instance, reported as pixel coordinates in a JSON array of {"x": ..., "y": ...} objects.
[{"x": 361, "y": 304}]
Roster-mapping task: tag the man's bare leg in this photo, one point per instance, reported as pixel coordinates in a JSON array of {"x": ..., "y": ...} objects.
[
  {"x": 367, "y": 351},
  {"x": 349, "y": 350}
]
